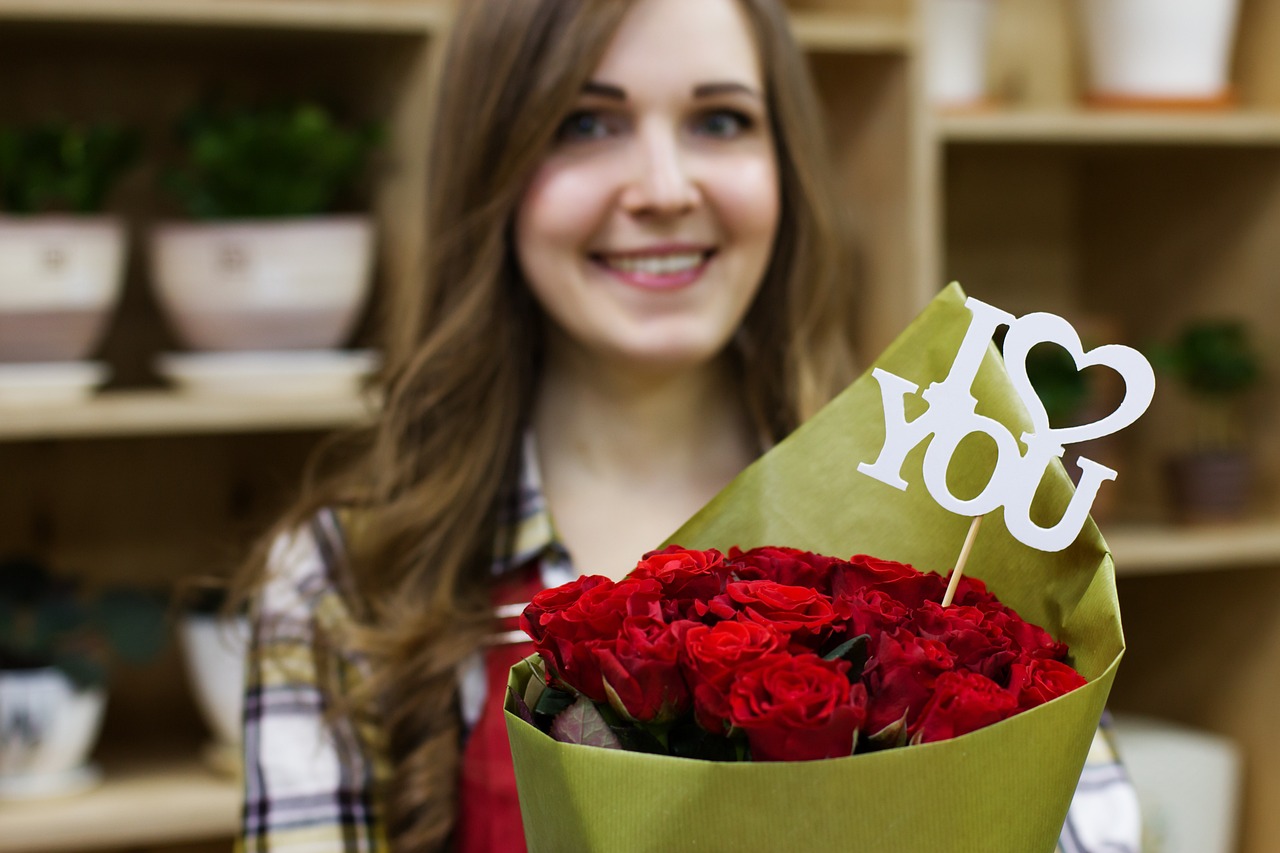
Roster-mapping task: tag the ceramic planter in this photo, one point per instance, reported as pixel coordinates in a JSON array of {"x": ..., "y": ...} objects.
[
  {"x": 957, "y": 33},
  {"x": 1212, "y": 485},
  {"x": 60, "y": 280},
  {"x": 263, "y": 285},
  {"x": 48, "y": 727},
  {"x": 1174, "y": 52},
  {"x": 214, "y": 650}
]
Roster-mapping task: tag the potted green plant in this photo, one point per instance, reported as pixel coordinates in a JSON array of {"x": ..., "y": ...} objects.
[
  {"x": 61, "y": 257},
  {"x": 266, "y": 260},
  {"x": 56, "y": 643},
  {"x": 1216, "y": 366}
]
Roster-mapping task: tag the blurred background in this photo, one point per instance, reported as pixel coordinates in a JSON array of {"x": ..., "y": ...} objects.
[{"x": 210, "y": 211}]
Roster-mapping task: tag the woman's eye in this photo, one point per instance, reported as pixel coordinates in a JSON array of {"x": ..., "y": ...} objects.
[
  {"x": 724, "y": 123},
  {"x": 582, "y": 125}
]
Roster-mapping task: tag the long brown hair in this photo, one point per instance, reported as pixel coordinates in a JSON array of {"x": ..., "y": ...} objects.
[{"x": 432, "y": 476}]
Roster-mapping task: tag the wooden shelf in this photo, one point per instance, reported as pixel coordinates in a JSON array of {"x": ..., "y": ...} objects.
[
  {"x": 393, "y": 16},
  {"x": 1164, "y": 550},
  {"x": 135, "y": 413},
  {"x": 141, "y": 802},
  {"x": 1083, "y": 127},
  {"x": 832, "y": 31}
]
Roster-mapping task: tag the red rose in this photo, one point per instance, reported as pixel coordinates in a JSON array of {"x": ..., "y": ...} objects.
[
  {"x": 553, "y": 601},
  {"x": 1037, "y": 681},
  {"x": 684, "y": 574},
  {"x": 900, "y": 677},
  {"x": 790, "y": 609},
  {"x": 713, "y": 654},
  {"x": 979, "y": 644},
  {"x": 905, "y": 583},
  {"x": 641, "y": 672},
  {"x": 572, "y": 635},
  {"x": 788, "y": 566},
  {"x": 872, "y": 612},
  {"x": 797, "y": 708},
  {"x": 962, "y": 702},
  {"x": 1031, "y": 640}
]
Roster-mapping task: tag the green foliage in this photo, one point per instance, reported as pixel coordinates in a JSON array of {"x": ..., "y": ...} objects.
[
  {"x": 62, "y": 167},
  {"x": 48, "y": 621},
  {"x": 1212, "y": 358},
  {"x": 290, "y": 160}
]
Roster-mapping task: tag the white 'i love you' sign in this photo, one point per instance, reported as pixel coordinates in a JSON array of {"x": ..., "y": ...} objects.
[{"x": 951, "y": 416}]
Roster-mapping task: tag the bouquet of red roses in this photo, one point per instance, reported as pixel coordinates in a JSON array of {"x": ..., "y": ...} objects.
[
  {"x": 777, "y": 654},
  {"x": 786, "y": 655}
]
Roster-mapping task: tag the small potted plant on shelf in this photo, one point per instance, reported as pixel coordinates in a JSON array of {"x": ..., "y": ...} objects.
[
  {"x": 61, "y": 258},
  {"x": 56, "y": 643},
  {"x": 267, "y": 263},
  {"x": 1216, "y": 365},
  {"x": 214, "y": 643}
]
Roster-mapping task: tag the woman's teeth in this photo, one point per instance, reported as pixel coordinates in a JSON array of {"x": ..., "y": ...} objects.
[{"x": 657, "y": 264}]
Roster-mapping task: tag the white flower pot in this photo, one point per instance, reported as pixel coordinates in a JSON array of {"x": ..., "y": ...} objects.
[
  {"x": 1160, "y": 50},
  {"x": 60, "y": 280},
  {"x": 269, "y": 285},
  {"x": 48, "y": 727},
  {"x": 214, "y": 650},
  {"x": 957, "y": 34}
]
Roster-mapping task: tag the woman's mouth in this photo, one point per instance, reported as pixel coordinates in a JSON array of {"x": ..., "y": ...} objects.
[{"x": 657, "y": 270}]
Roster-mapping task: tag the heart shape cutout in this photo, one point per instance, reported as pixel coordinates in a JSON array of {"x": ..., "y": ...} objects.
[{"x": 1133, "y": 368}]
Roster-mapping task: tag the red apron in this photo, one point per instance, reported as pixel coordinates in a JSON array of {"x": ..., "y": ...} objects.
[{"x": 488, "y": 808}]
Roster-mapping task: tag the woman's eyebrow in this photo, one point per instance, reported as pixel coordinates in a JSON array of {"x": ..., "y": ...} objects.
[
  {"x": 604, "y": 90},
  {"x": 710, "y": 90}
]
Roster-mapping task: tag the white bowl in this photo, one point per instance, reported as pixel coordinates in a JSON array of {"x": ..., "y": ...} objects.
[
  {"x": 214, "y": 650},
  {"x": 268, "y": 285},
  {"x": 48, "y": 727},
  {"x": 60, "y": 280}
]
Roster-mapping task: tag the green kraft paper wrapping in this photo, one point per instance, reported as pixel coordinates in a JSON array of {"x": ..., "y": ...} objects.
[{"x": 1002, "y": 789}]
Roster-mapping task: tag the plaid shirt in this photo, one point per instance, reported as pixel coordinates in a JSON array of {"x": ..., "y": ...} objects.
[{"x": 309, "y": 784}]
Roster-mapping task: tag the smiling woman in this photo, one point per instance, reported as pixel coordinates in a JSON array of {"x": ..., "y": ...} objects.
[{"x": 636, "y": 280}]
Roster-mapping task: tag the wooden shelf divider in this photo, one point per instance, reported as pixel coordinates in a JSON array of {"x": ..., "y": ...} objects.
[
  {"x": 137, "y": 413},
  {"x": 140, "y": 802},
  {"x": 846, "y": 32},
  {"x": 1097, "y": 127},
  {"x": 1152, "y": 550},
  {"x": 404, "y": 16}
]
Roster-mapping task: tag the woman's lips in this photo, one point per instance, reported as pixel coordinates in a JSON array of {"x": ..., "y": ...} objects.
[{"x": 657, "y": 270}]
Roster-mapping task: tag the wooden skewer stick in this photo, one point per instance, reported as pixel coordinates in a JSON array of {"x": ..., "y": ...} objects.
[{"x": 958, "y": 571}]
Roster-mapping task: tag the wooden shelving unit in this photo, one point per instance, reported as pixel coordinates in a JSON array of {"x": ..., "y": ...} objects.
[{"x": 1144, "y": 218}]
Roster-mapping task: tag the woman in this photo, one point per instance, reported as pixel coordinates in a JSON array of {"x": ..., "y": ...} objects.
[{"x": 635, "y": 283}]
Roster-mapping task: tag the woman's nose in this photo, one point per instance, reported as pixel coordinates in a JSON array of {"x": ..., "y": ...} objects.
[{"x": 661, "y": 181}]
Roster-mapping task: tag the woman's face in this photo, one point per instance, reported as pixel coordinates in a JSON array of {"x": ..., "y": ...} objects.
[{"x": 647, "y": 229}]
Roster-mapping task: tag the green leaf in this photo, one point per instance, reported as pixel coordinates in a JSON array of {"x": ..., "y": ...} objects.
[
  {"x": 891, "y": 736},
  {"x": 582, "y": 723},
  {"x": 133, "y": 624},
  {"x": 552, "y": 701},
  {"x": 522, "y": 709},
  {"x": 854, "y": 651}
]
